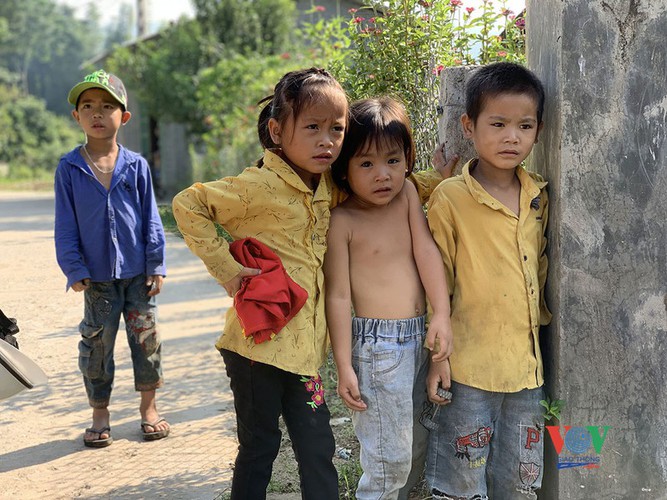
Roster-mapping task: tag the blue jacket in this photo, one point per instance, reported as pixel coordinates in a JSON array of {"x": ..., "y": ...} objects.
[{"x": 107, "y": 235}]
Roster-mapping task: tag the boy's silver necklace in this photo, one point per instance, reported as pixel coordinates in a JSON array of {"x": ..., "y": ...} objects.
[{"x": 85, "y": 149}]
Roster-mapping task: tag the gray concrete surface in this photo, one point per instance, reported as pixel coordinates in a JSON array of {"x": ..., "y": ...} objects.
[
  {"x": 604, "y": 152},
  {"x": 41, "y": 452}
]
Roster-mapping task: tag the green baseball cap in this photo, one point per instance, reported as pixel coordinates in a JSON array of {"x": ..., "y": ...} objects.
[{"x": 100, "y": 79}]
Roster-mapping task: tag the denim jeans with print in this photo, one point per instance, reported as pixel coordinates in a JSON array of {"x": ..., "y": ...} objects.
[
  {"x": 487, "y": 445},
  {"x": 104, "y": 303},
  {"x": 390, "y": 361}
]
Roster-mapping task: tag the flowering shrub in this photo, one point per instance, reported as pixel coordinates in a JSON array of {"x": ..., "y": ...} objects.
[{"x": 400, "y": 47}]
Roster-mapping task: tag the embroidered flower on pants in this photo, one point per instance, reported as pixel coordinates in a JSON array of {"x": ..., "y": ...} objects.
[{"x": 314, "y": 386}]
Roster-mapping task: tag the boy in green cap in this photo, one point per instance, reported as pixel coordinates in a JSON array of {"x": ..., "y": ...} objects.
[{"x": 110, "y": 245}]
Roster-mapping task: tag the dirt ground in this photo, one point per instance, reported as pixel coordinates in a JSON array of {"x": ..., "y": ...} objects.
[{"x": 41, "y": 450}]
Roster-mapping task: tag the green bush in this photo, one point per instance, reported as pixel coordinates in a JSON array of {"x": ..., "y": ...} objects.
[
  {"x": 399, "y": 48},
  {"x": 33, "y": 139}
]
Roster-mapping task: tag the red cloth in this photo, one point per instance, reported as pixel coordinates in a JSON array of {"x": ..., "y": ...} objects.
[{"x": 266, "y": 302}]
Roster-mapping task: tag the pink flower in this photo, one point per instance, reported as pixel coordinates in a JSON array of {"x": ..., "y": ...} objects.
[
  {"x": 470, "y": 9},
  {"x": 456, "y": 3},
  {"x": 352, "y": 10},
  {"x": 507, "y": 12},
  {"x": 285, "y": 55},
  {"x": 359, "y": 19},
  {"x": 371, "y": 77},
  {"x": 520, "y": 23},
  {"x": 438, "y": 70},
  {"x": 501, "y": 53},
  {"x": 320, "y": 8},
  {"x": 371, "y": 20}
]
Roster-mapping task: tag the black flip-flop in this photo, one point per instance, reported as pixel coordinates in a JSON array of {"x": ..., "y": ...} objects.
[{"x": 98, "y": 443}]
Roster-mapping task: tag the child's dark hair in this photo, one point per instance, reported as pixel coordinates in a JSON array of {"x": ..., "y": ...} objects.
[
  {"x": 294, "y": 92},
  {"x": 501, "y": 78},
  {"x": 381, "y": 121}
]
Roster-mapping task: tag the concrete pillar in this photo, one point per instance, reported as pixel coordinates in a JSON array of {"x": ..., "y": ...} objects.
[
  {"x": 451, "y": 106},
  {"x": 603, "y": 150}
]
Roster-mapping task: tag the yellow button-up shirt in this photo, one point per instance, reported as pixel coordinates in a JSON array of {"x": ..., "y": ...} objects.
[
  {"x": 273, "y": 205},
  {"x": 496, "y": 266}
]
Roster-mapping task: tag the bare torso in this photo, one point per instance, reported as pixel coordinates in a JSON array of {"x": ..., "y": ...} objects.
[{"x": 384, "y": 279}]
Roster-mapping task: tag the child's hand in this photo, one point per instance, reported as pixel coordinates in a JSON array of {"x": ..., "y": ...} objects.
[
  {"x": 439, "y": 338},
  {"x": 82, "y": 285},
  {"x": 348, "y": 390},
  {"x": 234, "y": 284},
  {"x": 154, "y": 282},
  {"x": 439, "y": 375},
  {"x": 441, "y": 164}
]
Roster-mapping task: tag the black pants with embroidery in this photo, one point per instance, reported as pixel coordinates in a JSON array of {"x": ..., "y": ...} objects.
[{"x": 261, "y": 394}]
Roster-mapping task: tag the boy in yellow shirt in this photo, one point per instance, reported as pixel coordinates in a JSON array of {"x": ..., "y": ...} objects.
[{"x": 489, "y": 223}]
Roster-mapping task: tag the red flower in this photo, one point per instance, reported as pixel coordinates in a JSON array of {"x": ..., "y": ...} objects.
[
  {"x": 358, "y": 19},
  {"x": 320, "y": 8},
  {"x": 470, "y": 9},
  {"x": 438, "y": 70},
  {"x": 501, "y": 53},
  {"x": 520, "y": 23},
  {"x": 285, "y": 55}
]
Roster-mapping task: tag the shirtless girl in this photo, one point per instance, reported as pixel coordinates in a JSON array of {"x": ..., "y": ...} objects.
[{"x": 381, "y": 263}]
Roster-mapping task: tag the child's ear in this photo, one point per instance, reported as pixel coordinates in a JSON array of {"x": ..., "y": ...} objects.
[
  {"x": 467, "y": 125},
  {"x": 75, "y": 115},
  {"x": 125, "y": 118},
  {"x": 539, "y": 129},
  {"x": 274, "y": 130}
]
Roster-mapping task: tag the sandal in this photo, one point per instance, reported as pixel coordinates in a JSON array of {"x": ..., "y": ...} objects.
[
  {"x": 100, "y": 442},
  {"x": 153, "y": 435}
]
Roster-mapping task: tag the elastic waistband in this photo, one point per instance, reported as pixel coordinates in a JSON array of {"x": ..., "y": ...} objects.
[{"x": 399, "y": 330}]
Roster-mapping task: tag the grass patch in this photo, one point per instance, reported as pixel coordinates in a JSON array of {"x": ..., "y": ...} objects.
[{"x": 42, "y": 185}]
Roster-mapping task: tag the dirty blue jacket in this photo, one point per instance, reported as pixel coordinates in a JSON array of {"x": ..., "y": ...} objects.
[{"x": 105, "y": 235}]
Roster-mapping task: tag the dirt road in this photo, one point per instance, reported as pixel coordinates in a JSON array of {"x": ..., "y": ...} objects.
[{"x": 41, "y": 451}]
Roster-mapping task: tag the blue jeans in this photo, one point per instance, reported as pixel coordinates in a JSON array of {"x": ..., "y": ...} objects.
[
  {"x": 487, "y": 445},
  {"x": 262, "y": 393},
  {"x": 104, "y": 302},
  {"x": 390, "y": 361}
]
